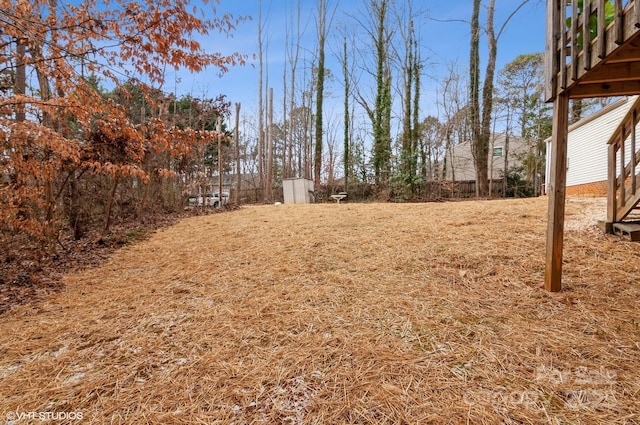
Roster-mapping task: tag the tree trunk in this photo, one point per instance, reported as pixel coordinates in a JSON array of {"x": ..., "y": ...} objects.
[
  {"x": 285, "y": 123},
  {"x": 381, "y": 154},
  {"x": 236, "y": 139},
  {"x": 408, "y": 169},
  {"x": 487, "y": 102},
  {"x": 269, "y": 173},
  {"x": 145, "y": 196},
  {"x": 481, "y": 129},
  {"x": 346, "y": 157},
  {"x": 491, "y": 165},
  {"x": 307, "y": 138},
  {"x": 110, "y": 202},
  {"x": 20, "y": 85},
  {"x": 292, "y": 99},
  {"x": 319, "y": 131},
  {"x": 415, "y": 129},
  {"x": 47, "y": 120},
  {"x": 219, "y": 130},
  {"x": 330, "y": 167},
  {"x": 75, "y": 213},
  {"x": 506, "y": 163},
  {"x": 410, "y": 119},
  {"x": 260, "y": 100},
  {"x": 474, "y": 96},
  {"x": 386, "y": 126}
]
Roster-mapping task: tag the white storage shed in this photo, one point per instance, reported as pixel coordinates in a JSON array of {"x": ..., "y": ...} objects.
[{"x": 298, "y": 191}]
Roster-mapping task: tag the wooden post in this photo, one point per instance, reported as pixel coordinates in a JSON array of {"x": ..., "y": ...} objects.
[
  {"x": 551, "y": 53},
  {"x": 562, "y": 61},
  {"x": 634, "y": 121},
  {"x": 574, "y": 40},
  {"x": 557, "y": 193},
  {"x": 586, "y": 35},
  {"x": 623, "y": 169},
  {"x": 612, "y": 201},
  {"x": 618, "y": 22},
  {"x": 602, "y": 45}
]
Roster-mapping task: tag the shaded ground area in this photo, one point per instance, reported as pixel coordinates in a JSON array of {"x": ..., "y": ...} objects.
[
  {"x": 351, "y": 313},
  {"x": 27, "y": 277}
]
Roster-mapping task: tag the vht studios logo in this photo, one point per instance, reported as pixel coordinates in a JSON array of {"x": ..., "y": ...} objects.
[{"x": 15, "y": 417}]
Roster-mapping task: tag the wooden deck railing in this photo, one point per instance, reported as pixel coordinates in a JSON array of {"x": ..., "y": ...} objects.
[
  {"x": 624, "y": 161},
  {"x": 572, "y": 51}
]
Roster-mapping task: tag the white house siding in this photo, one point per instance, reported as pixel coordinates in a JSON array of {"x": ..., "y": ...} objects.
[{"x": 587, "y": 145}]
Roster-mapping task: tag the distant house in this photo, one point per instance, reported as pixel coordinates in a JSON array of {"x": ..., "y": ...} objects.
[
  {"x": 587, "y": 149},
  {"x": 460, "y": 164}
]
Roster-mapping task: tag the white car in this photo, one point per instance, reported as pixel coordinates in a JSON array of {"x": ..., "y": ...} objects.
[
  {"x": 209, "y": 200},
  {"x": 216, "y": 199}
]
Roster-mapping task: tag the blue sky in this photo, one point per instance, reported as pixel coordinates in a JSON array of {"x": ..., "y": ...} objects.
[{"x": 443, "y": 37}]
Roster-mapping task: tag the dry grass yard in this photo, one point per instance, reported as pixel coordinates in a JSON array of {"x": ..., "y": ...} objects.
[{"x": 330, "y": 314}]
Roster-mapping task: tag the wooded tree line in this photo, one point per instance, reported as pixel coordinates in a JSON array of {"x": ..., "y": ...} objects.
[
  {"x": 83, "y": 132},
  {"x": 387, "y": 142},
  {"x": 87, "y": 135}
]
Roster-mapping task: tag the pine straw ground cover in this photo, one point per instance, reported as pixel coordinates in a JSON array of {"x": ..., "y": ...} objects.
[{"x": 328, "y": 314}]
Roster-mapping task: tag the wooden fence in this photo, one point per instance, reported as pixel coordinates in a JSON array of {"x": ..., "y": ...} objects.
[{"x": 429, "y": 191}]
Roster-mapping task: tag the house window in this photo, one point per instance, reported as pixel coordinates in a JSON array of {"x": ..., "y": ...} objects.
[{"x": 497, "y": 151}]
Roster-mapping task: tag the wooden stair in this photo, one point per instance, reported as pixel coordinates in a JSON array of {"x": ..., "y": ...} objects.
[
  {"x": 629, "y": 208},
  {"x": 623, "y": 192}
]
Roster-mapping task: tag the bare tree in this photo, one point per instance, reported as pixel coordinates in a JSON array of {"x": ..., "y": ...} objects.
[
  {"x": 293, "y": 55},
  {"x": 456, "y": 118},
  {"x": 332, "y": 151},
  {"x": 479, "y": 147},
  {"x": 411, "y": 68},
  {"x": 481, "y": 117},
  {"x": 322, "y": 26},
  {"x": 236, "y": 141},
  {"x": 269, "y": 171},
  {"x": 346, "y": 121},
  {"x": 380, "y": 112},
  {"x": 522, "y": 84},
  {"x": 260, "y": 99}
]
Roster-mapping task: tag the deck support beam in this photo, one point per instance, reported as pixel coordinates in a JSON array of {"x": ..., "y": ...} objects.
[
  {"x": 612, "y": 187},
  {"x": 557, "y": 193}
]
